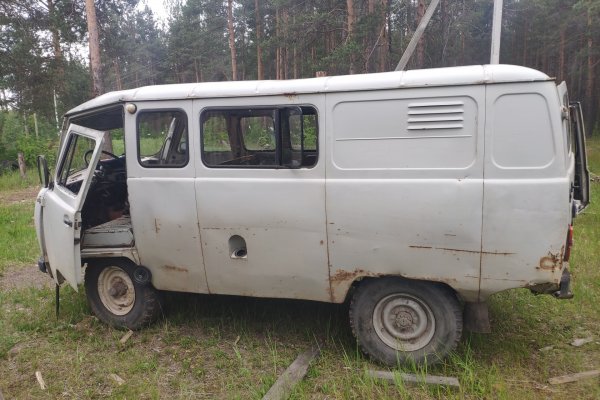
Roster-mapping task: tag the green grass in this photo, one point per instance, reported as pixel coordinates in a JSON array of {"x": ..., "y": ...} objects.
[
  {"x": 18, "y": 243},
  {"x": 233, "y": 347},
  {"x": 12, "y": 180}
]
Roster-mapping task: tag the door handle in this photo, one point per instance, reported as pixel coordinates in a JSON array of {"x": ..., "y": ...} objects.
[{"x": 67, "y": 221}]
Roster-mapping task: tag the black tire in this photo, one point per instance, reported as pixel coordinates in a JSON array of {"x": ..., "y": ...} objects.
[
  {"x": 424, "y": 321},
  {"x": 131, "y": 305}
]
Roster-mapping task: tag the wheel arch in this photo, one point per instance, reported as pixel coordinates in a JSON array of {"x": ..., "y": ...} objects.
[{"x": 360, "y": 279}]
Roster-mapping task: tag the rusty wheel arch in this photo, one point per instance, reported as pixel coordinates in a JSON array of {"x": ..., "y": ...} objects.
[{"x": 363, "y": 278}]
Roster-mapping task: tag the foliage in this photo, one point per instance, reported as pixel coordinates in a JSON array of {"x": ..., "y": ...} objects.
[
  {"x": 18, "y": 135},
  {"x": 42, "y": 43}
]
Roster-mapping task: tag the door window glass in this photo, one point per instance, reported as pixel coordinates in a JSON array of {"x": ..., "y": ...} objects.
[
  {"x": 75, "y": 162},
  {"x": 162, "y": 138}
]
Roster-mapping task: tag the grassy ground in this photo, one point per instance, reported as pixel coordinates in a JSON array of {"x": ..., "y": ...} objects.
[{"x": 230, "y": 347}]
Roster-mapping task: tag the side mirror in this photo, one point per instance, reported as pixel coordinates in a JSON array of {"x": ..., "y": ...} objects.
[
  {"x": 43, "y": 171},
  {"x": 182, "y": 148}
]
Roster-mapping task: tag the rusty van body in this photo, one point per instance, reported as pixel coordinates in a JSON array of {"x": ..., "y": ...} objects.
[{"x": 415, "y": 195}]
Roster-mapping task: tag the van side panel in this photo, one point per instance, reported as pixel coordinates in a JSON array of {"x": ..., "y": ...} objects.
[
  {"x": 405, "y": 186},
  {"x": 526, "y": 208}
]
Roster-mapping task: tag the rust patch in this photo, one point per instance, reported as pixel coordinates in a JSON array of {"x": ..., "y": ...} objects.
[
  {"x": 496, "y": 253},
  {"x": 552, "y": 261},
  {"x": 174, "y": 268},
  {"x": 344, "y": 277},
  {"x": 291, "y": 95}
]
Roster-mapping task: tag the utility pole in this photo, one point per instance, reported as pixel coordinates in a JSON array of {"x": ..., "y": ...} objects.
[
  {"x": 496, "y": 32},
  {"x": 417, "y": 35}
]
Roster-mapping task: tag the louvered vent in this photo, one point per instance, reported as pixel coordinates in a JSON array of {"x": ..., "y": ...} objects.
[{"x": 436, "y": 115}]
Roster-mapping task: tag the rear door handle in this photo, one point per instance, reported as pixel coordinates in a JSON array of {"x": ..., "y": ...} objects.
[{"x": 67, "y": 221}]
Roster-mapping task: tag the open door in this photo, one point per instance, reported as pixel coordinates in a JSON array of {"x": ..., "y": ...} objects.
[
  {"x": 581, "y": 186},
  {"x": 62, "y": 203}
]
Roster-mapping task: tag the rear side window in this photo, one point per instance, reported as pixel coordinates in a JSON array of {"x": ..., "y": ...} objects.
[
  {"x": 162, "y": 139},
  {"x": 261, "y": 137},
  {"x": 522, "y": 132}
]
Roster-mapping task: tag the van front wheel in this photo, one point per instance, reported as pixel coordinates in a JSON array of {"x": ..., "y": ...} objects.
[
  {"x": 116, "y": 298},
  {"x": 399, "y": 321}
]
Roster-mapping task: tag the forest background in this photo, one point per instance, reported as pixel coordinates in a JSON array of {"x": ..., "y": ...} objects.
[{"x": 45, "y": 67}]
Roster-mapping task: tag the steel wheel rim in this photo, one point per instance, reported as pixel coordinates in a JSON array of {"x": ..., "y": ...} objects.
[
  {"x": 116, "y": 290},
  {"x": 403, "y": 322}
]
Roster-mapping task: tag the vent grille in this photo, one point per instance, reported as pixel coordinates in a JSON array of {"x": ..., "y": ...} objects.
[{"x": 435, "y": 115}]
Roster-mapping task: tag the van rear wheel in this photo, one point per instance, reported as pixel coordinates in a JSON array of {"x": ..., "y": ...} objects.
[
  {"x": 400, "y": 321},
  {"x": 116, "y": 298}
]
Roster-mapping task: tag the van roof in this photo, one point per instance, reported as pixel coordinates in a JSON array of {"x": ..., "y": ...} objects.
[{"x": 452, "y": 76}]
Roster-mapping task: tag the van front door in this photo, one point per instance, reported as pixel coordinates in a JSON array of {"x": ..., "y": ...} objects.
[{"x": 61, "y": 205}]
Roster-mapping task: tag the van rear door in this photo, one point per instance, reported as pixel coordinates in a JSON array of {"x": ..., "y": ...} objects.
[
  {"x": 62, "y": 203},
  {"x": 581, "y": 186}
]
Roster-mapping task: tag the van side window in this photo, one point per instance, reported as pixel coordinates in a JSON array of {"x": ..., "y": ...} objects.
[
  {"x": 261, "y": 137},
  {"x": 522, "y": 135},
  {"x": 162, "y": 138}
]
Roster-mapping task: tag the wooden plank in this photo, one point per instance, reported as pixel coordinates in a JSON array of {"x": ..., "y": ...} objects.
[
  {"x": 126, "y": 337},
  {"x": 282, "y": 388},
  {"x": 411, "y": 378},
  {"x": 38, "y": 376},
  {"x": 118, "y": 380},
  {"x": 559, "y": 380}
]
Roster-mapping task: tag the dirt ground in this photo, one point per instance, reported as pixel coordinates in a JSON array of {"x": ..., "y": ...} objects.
[
  {"x": 18, "y": 195},
  {"x": 24, "y": 276}
]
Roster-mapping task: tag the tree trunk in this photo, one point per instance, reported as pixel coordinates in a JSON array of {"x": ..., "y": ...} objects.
[
  {"x": 58, "y": 55},
  {"x": 22, "y": 169},
  {"x": 351, "y": 20},
  {"x": 421, "y": 44},
  {"x": 286, "y": 42},
  {"x": 525, "y": 27},
  {"x": 589, "y": 85},
  {"x": 278, "y": 48},
  {"x": 117, "y": 74},
  {"x": 383, "y": 37},
  {"x": 94, "y": 44},
  {"x": 231, "y": 40},
  {"x": 370, "y": 42},
  {"x": 259, "y": 62}
]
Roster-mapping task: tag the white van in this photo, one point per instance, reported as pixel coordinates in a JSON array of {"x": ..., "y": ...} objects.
[{"x": 413, "y": 195}]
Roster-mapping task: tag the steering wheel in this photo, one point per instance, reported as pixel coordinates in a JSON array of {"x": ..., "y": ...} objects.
[{"x": 88, "y": 154}]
